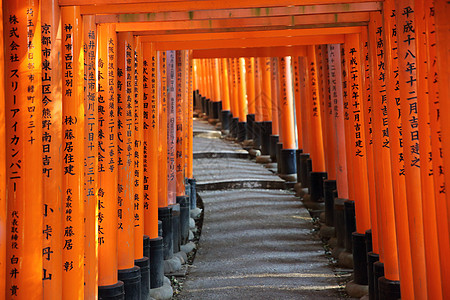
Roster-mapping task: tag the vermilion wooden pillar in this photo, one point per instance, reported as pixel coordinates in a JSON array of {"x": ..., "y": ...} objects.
[
  {"x": 347, "y": 123},
  {"x": 217, "y": 100},
  {"x": 171, "y": 126},
  {"x": 288, "y": 158},
  {"x": 91, "y": 157},
  {"x": 313, "y": 114},
  {"x": 125, "y": 163},
  {"x": 140, "y": 260},
  {"x": 180, "y": 124},
  {"x": 357, "y": 134},
  {"x": 266, "y": 104},
  {"x": 52, "y": 140},
  {"x": 314, "y": 180},
  {"x": 407, "y": 64},
  {"x": 381, "y": 144},
  {"x": 396, "y": 149},
  {"x": 266, "y": 89},
  {"x": 329, "y": 135},
  {"x": 250, "y": 79},
  {"x": 367, "y": 98},
  {"x": 107, "y": 161},
  {"x": 210, "y": 80},
  {"x": 23, "y": 112},
  {"x": 430, "y": 229},
  {"x": 73, "y": 153},
  {"x": 434, "y": 80},
  {"x": 279, "y": 96},
  {"x": 242, "y": 100},
  {"x": 358, "y": 154},
  {"x": 162, "y": 140},
  {"x": 138, "y": 153},
  {"x": 202, "y": 84},
  {"x": 3, "y": 207},
  {"x": 151, "y": 133},
  {"x": 321, "y": 98},
  {"x": 374, "y": 240},
  {"x": 441, "y": 11},
  {"x": 235, "y": 99},
  {"x": 335, "y": 75},
  {"x": 274, "y": 89},
  {"x": 258, "y": 104},
  {"x": 187, "y": 94},
  {"x": 251, "y": 96},
  {"x": 297, "y": 97},
  {"x": 190, "y": 129},
  {"x": 328, "y": 116},
  {"x": 226, "y": 108},
  {"x": 303, "y": 81},
  {"x": 209, "y": 87},
  {"x": 164, "y": 210}
]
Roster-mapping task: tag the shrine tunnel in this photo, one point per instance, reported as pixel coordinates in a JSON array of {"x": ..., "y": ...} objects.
[{"x": 350, "y": 99}]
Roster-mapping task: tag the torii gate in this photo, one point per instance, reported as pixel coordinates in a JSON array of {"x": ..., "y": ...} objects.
[{"x": 44, "y": 45}]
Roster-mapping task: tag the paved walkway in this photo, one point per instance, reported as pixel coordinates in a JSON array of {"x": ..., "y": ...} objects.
[{"x": 256, "y": 243}]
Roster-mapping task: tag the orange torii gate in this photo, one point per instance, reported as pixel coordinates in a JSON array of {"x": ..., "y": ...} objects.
[{"x": 81, "y": 253}]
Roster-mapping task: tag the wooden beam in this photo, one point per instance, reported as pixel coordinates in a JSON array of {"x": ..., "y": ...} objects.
[
  {"x": 329, "y": 19},
  {"x": 251, "y": 52},
  {"x": 247, "y": 29},
  {"x": 242, "y": 13},
  {"x": 257, "y": 42},
  {"x": 149, "y": 6},
  {"x": 193, "y": 37}
]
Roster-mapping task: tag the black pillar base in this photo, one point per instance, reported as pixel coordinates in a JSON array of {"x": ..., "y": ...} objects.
[
  {"x": 316, "y": 187},
  {"x": 242, "y": 131},
  {"x": 131, "y": 279},
  {"x": 210, "y": 109},
  {"x": 165, "y": 216},
  {"x": 203, "y": 104},
  {"x": 266, "y": 132},
  {"x": 215, "y": 107},
  {"x": 371, "y": 259},
  {"x": 146, "y": 244},
  {"x": 225, "y": 119},
  {"x": 112, "y": 292},
  {"x": 273, "y": 147},
  {"x": 184, "y": 218},
  {"x": 303, "y": 174},
  {"x": 160, "y": 231},
  {"x": 195, "y": 99},
  {"x": 219, "y": 111},
  {"x": 207, "y": 107},
  {"x": 288, "y": 161},
  {"x": 187, "y": 189},
  {"x": 329, "y": 186},
  {"x": 388, "y": 289},
  {"x": 234, "y": 127},
  {"x": 369, "y": 240},
  {"x": 350, "y": 223},
  {"x": 279, "y": 158},
  {"x": 250, "y": 126},
  {"x": 308, "y": 173},
  {"x": 339, "y": 221},
  {"x": 193, "y": 193},
  {"x": 297, "y": 161},
  {"x": 378, "y": 272},
  {"x": 144, "y": 265},
  {"x": 359, "y": 258},
  {"x": 257, "y": 134},
  {"x": 176, "y": 230},
  {"x": 156, "y": 263}
]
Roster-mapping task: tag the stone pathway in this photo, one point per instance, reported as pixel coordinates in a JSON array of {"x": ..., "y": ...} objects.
[{"x": 256, "y": 243}]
